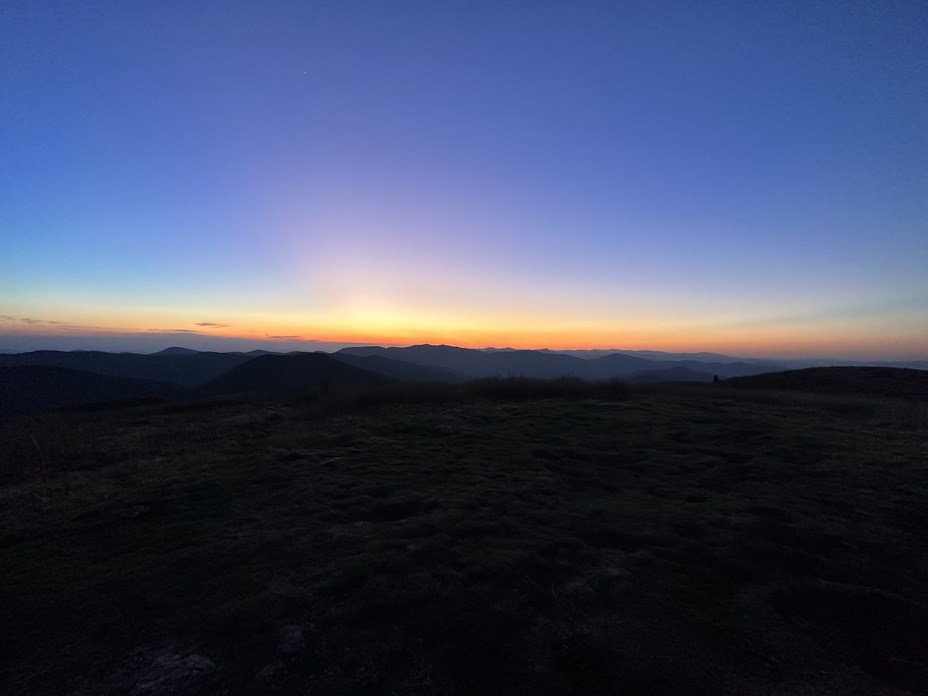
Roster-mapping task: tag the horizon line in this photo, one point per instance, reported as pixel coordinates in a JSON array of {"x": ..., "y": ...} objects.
[{"x": 803, "y": 358}]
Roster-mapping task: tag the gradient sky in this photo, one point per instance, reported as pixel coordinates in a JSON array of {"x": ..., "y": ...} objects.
[{"x": 742, "y": 177}]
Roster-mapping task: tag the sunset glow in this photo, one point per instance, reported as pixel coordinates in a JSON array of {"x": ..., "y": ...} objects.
[{"x": 663, "y": 175}]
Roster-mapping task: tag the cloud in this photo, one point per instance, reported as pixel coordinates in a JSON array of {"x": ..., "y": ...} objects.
[
  {"x": 211, "y": 325},
  {"x": 287, "y": 338},
  {"x": 186, "y": 331},
  {"x": 33, "y": 322},
  {"x": 12, "y": 321}
]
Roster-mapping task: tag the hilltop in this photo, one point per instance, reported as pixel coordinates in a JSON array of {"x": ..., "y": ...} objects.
[
  {"x": 182, "y": 374},
  {"x": 892, "y": 382},
  {"x": 502, "y": 535}
]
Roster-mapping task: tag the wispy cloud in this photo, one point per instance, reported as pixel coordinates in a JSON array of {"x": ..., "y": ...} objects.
[
  {"x": 13, "y": 321},
  {"x": 186, "y": 331},
  {"x": 32, "y": 322},
  {"x": 287, "y": 338},
  {"x": 211, "y": 325}
]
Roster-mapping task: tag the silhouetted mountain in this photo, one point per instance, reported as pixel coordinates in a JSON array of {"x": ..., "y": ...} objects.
[
  {"x": 175, "y": 350},
  {"x": 671, "y": 374},
  {"x": 527, "y": 363},
  {"x": 723, "y": 369},
  {"x": 618, "y": 364},
  {"x": 699, "y": 356},
  {"x": 622, "y": 365},
  {"x": 399, "y": 369},
  {"x": 275, "y": 375},
  {"x": 894, "y": 382},
  {"x": 546, "y": 364},
  {"x": 31, "y": 389},
  {"x": 911, "y": 364},
  {"x": 182, "y": 368},
  {"x": 655, "y": 355},
  {"x": 477, "y": 363}
]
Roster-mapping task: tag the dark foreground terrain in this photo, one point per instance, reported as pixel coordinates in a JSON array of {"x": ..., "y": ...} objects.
[{"x": 508, "y": 537}]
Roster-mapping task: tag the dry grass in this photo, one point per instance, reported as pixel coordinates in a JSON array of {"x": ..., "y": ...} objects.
[{"x": 508, "y": 536}]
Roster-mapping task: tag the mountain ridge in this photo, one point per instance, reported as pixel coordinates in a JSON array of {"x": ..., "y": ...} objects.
[
  {"x": 28, "y": 389},
  {"x": 278, "y": 375},
  {"x": 182, "y": 369},
  {"x": 58, "y": 379},
  {"x": 476, "y": 363}
]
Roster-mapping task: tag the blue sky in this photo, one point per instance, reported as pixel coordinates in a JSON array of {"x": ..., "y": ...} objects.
[{"x": 742, "y": 177}]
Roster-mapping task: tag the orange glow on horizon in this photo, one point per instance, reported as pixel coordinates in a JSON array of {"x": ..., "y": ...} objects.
[{"x": 821, "y": 339}]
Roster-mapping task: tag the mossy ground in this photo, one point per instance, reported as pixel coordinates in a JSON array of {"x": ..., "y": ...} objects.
[{"x": 514, "y": 539}]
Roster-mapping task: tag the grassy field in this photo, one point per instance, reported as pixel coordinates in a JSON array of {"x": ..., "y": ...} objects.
[{"x": 505, "y": 537}]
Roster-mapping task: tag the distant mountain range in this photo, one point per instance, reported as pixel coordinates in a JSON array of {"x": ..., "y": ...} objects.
[
  {"x": 472, "y": 364},
  {"x": 275, "y": 375},
  {"x": 180, "y": 366},
  {"x": 399, "y": 369},
  {"x": 43, "y": 380}
]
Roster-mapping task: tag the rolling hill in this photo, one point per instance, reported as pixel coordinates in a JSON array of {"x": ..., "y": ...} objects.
[
  {"x": 895, "y": 382},
  {"x": 275, "y": 375},
  {"x": 399, "y": 369},
  {"x": 30, "y": 389},
  {"x": 174, "y": 365},
  {"x": 476, "y": 363},
  {"x": 548, "y": 364},
  {"x": 177, "y": 371},
  {"x": 670, "y": 374}
]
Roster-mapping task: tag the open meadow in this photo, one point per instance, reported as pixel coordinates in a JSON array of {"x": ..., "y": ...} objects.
[{"x": 505, "y": 536}]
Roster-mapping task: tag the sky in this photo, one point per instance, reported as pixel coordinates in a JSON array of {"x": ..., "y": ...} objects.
[{"x": 741, "y": 177}]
